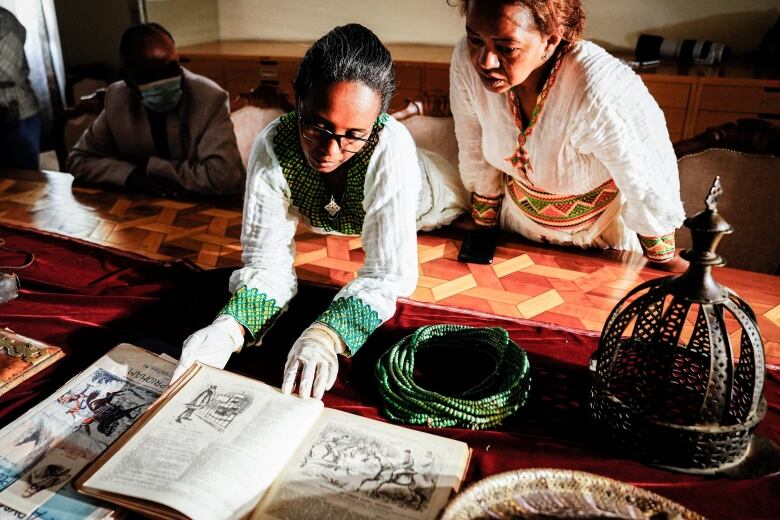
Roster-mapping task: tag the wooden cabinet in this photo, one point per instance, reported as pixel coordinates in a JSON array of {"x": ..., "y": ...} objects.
[
  {"x": 720, "y": 103},
  {"x": 692, "y": 98},
  {"x": 211, "y": 68},
  {"x": 673, "y": 98},
  {"x": 244, "y": 75}
]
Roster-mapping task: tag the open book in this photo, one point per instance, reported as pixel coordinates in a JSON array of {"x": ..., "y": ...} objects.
[
  {"x": 44, "y": 448},
  {"x": 220, "y": 445}
]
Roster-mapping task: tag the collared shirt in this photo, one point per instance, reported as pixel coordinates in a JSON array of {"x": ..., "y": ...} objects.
[{"x": 17, "y": 99}]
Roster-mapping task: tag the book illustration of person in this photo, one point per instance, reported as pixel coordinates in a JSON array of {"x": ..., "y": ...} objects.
[
  {"x": 329, "y": 450},
  {"x": 397, "y": 482},
  {"x": 203, "y": 399},
  {"x": 46, "y": 477},
  {"x": 75, "y": 401},
  {"x": 405, "y": 471}
]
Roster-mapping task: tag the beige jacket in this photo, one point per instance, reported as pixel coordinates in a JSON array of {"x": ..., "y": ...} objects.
[{"x": 204, "y": 155}]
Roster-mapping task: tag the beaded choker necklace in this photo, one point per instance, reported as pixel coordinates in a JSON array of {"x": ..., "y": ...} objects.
[{"x": 520, "y": 159}]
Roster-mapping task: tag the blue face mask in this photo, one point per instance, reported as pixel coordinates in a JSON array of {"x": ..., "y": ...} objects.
[{"x": 162, "y": 96}]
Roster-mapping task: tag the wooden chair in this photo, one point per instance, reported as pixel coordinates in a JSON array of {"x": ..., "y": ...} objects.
[
  {"x": 746, "y": 156},
  {"x": 746, "y": 135},
  {"x": 68, "y": 126}
]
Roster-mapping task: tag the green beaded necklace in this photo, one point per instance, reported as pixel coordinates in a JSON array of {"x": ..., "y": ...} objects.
[{"x": 405, "y": 401}]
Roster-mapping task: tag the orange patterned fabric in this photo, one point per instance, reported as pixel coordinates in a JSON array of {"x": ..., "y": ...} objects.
[{"x": 564, "y": 212}]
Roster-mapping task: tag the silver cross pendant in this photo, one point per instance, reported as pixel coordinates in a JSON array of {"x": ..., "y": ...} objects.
[{"x": 332, "y": 207}]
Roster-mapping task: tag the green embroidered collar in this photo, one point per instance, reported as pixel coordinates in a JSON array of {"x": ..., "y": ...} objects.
[{"x": 308, "y": 189}]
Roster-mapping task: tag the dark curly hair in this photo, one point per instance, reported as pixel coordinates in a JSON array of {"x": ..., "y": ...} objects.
[
  {"x": 548, "y": 15},
  {"x": 347, "y": 53}
]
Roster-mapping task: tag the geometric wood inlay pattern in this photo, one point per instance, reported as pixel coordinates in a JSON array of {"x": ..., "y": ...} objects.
[{"x": 564, "y": 286}]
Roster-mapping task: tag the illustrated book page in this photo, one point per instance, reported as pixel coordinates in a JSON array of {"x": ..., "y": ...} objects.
[
  {"x": 22, "y": 357},
  {"x": 42, "y": 450},
  {"x": 210, "y": 448},
  {"x": 221, "y": 445},
  {"x": 356, "y": 468}
]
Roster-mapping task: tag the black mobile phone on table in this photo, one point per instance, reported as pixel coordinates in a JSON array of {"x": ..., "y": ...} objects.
[{"x": 479, "y": 246}]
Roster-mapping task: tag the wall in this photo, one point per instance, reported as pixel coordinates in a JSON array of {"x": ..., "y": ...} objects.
[
  {"x": 190, "y": 21},
  {"x": 90, "y": 29},
  {"x": 613, "y": 23}
]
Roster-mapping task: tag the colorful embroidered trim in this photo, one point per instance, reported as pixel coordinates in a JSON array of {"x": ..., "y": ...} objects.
[
  {"x": 659, "y": 248},
  {"x": 520, "y": 159},
  {"x": 351, "y": 319},
  {"x": 308, "y": 189},
  {"x": 485, "y": 210},
  {"x": 252, "y": 309},
  {"x": 561, "y": 211}
]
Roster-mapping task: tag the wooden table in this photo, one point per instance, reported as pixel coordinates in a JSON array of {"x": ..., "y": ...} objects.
[{"x": 569, "y": 287}]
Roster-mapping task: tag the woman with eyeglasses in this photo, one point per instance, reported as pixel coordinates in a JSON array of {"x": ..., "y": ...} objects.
[
  {"x": 558, "y": 140},
  {"x": 338, "y": 165}
]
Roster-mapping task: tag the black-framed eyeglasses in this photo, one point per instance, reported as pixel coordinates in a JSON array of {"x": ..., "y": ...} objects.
[{"x": 317, "y": 134}]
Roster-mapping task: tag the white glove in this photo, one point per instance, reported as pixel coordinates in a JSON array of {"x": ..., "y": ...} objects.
[
  {"x": 315, "y": 353},
  {"x": 211, "y": 345}
]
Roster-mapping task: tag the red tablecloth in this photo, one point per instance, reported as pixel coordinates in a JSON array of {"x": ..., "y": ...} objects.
[{"x": 86, "y": 299}]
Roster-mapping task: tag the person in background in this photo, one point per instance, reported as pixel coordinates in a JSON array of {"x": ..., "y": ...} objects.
[
  {"x": 20, "y": 123},
  {"x": 164, "y": 130},
  {"x": 337, "y": 165},
  {"x": 558, "y": 140}
]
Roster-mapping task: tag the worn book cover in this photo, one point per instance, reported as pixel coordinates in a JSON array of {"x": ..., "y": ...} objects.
[
  {"x": 22, "y": 357},
  {"x": 45, "y": 448},
  {"x": 221, "y": 445}
]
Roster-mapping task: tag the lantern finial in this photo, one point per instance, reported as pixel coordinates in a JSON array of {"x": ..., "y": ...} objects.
[{"x": 715, "y": 192}]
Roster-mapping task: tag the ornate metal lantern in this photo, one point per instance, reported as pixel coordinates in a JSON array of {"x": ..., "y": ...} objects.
[{"x": 666, "y": 387}]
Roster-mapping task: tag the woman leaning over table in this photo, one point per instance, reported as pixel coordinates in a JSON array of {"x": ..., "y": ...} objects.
[
  {"x": 338, "y": 165},
  {"x": 558, "y": 140}
]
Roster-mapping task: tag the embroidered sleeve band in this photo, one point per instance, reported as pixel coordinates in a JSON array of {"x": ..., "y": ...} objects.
[
  {"x": 252, "y": 309},
  {"x": 351, "y": 319},
  {"x": 484, "y": 210},
  {"x": 659, "y": 248}
]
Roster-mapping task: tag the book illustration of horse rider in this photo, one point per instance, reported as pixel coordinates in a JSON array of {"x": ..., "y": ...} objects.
[
  {"x": 203, "y": 399},
  {"x": 405, "y": 471}
]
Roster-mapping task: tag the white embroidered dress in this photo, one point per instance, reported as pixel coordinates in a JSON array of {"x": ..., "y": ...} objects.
[
  {"x": 599, "y": 124},
  {"x": 380, "y": 204}
]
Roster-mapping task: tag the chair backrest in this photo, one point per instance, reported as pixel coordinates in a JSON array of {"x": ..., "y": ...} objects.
[
  {"x": 68, "y": 127},
  {"x": 436, "y": 134},
  {"x": 744, "y": 135},
  {"x": 248, "y": 122},
  {"x": 262, "y": 96},
  {"x": 750, "y": 203}
]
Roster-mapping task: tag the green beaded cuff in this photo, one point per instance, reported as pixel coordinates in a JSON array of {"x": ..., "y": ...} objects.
[
  {"x": 352, "y": 320},
  {"x": 485, "y": 210},
  {"x": 252, "y": 309},
  {"x": 659, "y": 248}
]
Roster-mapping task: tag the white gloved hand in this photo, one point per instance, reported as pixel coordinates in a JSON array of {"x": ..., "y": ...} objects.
[
  {"x": 211, "y": 345},
  {"x": 315, "y": 354}
]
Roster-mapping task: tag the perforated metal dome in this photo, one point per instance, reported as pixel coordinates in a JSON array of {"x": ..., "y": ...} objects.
[{"x": 678, "y": 377}]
